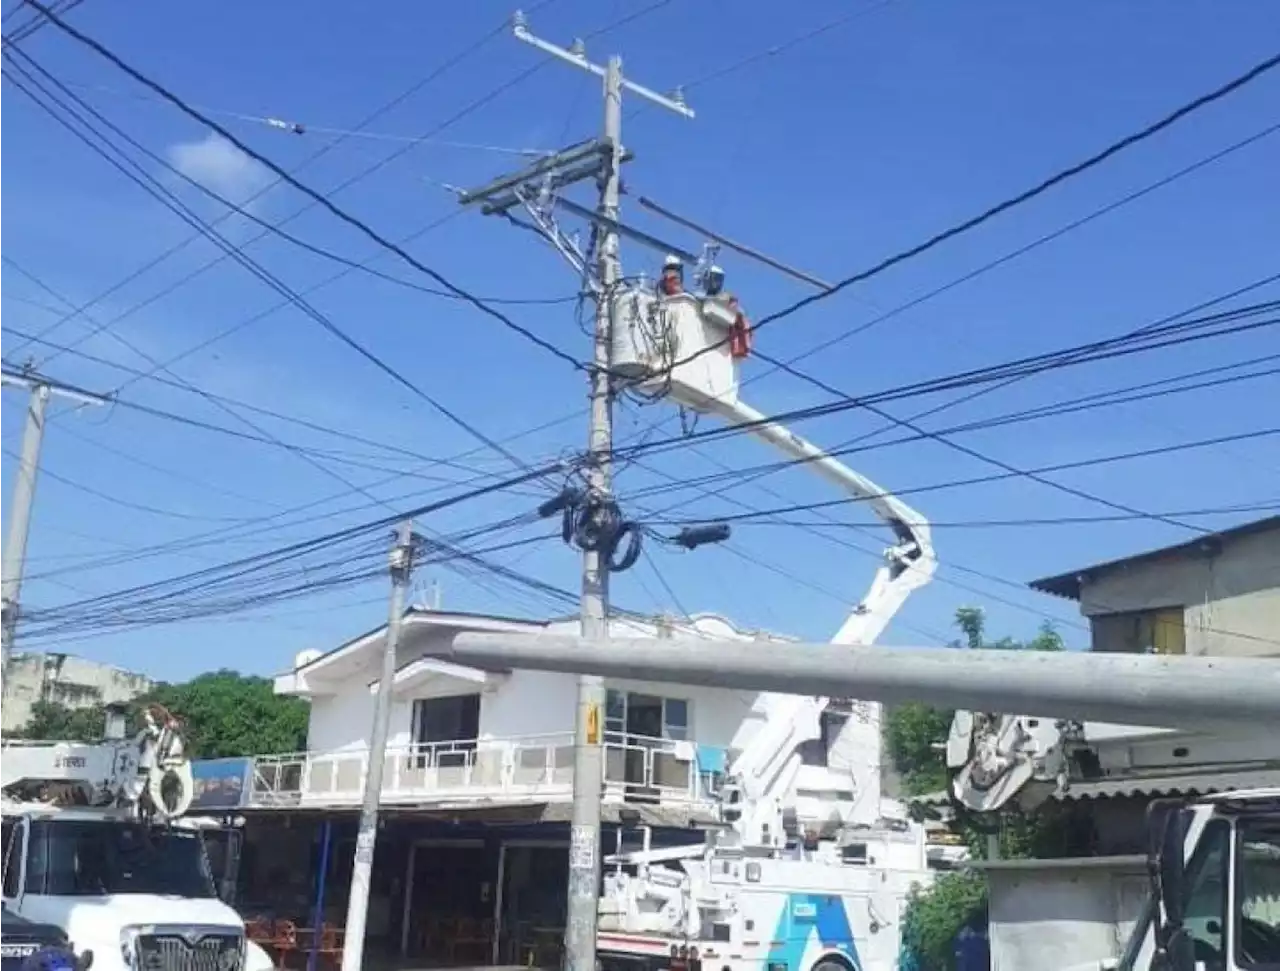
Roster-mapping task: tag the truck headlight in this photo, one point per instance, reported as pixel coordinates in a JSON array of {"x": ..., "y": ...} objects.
[{"x": 129, "y": 945}]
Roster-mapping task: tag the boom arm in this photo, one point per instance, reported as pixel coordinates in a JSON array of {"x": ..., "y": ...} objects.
[{"x": 762, "y": 778}]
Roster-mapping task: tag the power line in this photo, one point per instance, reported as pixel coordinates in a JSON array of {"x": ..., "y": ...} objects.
[
  {"x": 1012, "y": 202},
  {"x": 998, "y": 477},
  {"x": 1269, "y": 506},
  {"x": 737, "y": 477},
  {"x": 175, "y": 205},
  {"x": 324, "y": 201},
  {"x": 1156, "y": 338},
  {"x": 321, "y": 152}
]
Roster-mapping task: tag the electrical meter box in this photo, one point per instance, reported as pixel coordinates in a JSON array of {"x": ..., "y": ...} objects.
[{"x": 653, "y": 332}]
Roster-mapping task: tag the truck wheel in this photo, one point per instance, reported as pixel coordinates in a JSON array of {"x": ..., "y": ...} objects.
[{"x": 830, "y": 964}]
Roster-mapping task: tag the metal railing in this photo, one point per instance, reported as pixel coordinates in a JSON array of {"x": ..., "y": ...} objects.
[{"x": 534, "y": 768}]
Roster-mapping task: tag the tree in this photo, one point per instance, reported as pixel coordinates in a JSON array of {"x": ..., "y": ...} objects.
[
  {"x": 54, "y": 720},
  {"x": 934, "y": 917},
  {"x": 223, "y": 714},
  {"x": 228, "y": 714},
  {"x": 914, "y": 736}
]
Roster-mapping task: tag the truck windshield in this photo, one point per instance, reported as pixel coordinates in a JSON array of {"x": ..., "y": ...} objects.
[
  {"x": 1258, "y": 889},
  {"x": 88, "y": 858}
]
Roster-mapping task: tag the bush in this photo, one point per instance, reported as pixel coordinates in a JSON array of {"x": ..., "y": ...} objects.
[{"x": 935, "y": 915}]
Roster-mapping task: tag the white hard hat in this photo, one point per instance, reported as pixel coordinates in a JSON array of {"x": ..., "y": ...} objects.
[
  {"x": 715, "y": 271},
  {"x": 671, "y": 260}
]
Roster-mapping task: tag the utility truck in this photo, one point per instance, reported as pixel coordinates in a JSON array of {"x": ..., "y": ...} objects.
[
  {"x": 95, "y": 844},
  {"x": 777, "y": 891},
  {"x": 785, "y": 883}
]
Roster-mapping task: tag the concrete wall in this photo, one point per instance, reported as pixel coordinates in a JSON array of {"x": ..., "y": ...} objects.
[
  {"x": 1230, "y": 598},
  {"x": 1059, "y": 913},
  {"x": 65, "y": 679}
]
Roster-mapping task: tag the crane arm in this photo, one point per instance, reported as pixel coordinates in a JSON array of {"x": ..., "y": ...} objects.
[
  {"x": 909, "y": 564},
  {"x": 761, "y": 779}
]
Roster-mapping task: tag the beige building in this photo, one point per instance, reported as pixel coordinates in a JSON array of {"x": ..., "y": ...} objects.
[
  {"x": 63, "y": 679},
  {"x": 1218, "y": 594}
]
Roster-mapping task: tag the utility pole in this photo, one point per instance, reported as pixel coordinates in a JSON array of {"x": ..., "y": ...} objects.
[
  {"x": 401, "y": 562},
  {"x": 537, "y": 188},
  {"x": 39, "y": 391}
]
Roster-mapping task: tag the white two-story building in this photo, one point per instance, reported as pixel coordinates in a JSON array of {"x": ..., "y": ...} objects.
[{"x": 478, "y": 778}]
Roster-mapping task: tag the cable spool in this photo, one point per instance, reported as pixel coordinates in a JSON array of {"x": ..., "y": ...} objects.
[{"x": 596, "y": 525}]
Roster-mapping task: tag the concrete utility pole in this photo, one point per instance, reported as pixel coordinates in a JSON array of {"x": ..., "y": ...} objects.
[
  {"x": 588, "y": 752},
  {"x": 24, "y": 492},
  {"x": 367, "y": 836},
  {"x": 538, "y": 189},
  {"x": 1208, "y": 694}
]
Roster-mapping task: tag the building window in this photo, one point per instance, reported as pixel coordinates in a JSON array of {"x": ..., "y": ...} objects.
[
  {"x": 445, "y": 730},
  {"x": 646, "y": 716},
  {"x": 1161, "y": 631}
]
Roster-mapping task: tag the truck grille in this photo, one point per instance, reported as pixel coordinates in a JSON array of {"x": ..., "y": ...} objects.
[{"x": 188, "y": 952}]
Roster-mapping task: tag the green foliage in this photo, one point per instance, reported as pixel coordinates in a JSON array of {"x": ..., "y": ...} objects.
[
  {"x": 51, "y": 720},
  {"x": 914, "y": 734},
  {"x": 227, "y": 714},
  {"x": 910, "y": 733},
  {"x": 224, "y": 714},
  {"x": 934, "y": 917}
]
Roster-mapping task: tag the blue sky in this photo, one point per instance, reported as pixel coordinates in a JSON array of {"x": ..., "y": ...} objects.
[{"x": 829, "y": 155}]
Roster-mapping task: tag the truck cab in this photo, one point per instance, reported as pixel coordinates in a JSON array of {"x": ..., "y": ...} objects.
[
  {"x": 136, "y": 893},
  {"x": 1215, "y": 902}
]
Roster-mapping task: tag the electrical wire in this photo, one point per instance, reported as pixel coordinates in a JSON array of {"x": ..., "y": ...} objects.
[
  {"x": 998, "y": 477},
  {"x": 383, "y": 109},
  {"x": 1012, "y": 202},
  {"x": 1168, "y": 335},
  {"x": 321, "y": 199},
  {"x": 733, "y": 478},
  {"x": 170, "y": 201},
  {"x": 1269, "y": 506}
]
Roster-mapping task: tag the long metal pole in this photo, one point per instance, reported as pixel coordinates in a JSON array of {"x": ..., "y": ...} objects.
[
  {"x": 588, "y": 750},
  {"x": 15, "y": 543},
  {"x": 1204, "y": 693},
  {"x": 366, "y": 837}
]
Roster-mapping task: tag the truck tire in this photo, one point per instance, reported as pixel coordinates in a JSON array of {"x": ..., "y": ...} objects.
[{"x": 831, "y": 964}]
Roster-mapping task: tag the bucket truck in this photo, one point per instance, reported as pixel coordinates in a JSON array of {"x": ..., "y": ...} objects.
[
  {"x": 95, "y": 844},
  {"x": 1214, "y": 861},
  {"x": 773, "y": 887}
]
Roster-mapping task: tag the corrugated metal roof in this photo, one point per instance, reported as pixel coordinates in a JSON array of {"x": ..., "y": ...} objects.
[
  {"x": 1174, "y": 785},
  {"x": 1068, "y": 584}
]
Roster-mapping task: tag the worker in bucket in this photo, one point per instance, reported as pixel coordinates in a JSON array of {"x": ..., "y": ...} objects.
[
  {"x": 672, "y": 280},
  {"x": 740, "y": 331}
]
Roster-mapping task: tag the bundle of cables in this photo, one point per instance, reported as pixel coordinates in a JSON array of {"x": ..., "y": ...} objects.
[{"x": 594, "y": 523}]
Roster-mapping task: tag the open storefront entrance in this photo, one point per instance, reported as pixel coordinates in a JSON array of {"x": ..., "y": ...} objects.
[
  {"x": 487, "y": 899},
  {"x": 532, "y": 902},
  {"x": 449, "y": 902}
]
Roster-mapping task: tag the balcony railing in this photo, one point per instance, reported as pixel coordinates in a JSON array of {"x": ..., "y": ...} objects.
[{"x": 530, "y": 769}]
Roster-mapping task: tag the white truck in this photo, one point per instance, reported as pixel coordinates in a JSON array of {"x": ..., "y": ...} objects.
[
  {"x": 811, "y": 868},
  {"x": 94, "y": 844}
]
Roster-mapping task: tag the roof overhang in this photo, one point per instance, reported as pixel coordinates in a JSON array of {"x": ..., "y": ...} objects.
[
  {"x": 414, "y": 675},
  {"x": 1068, "y": 584},
  {"x": 332, "y": 672}
]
